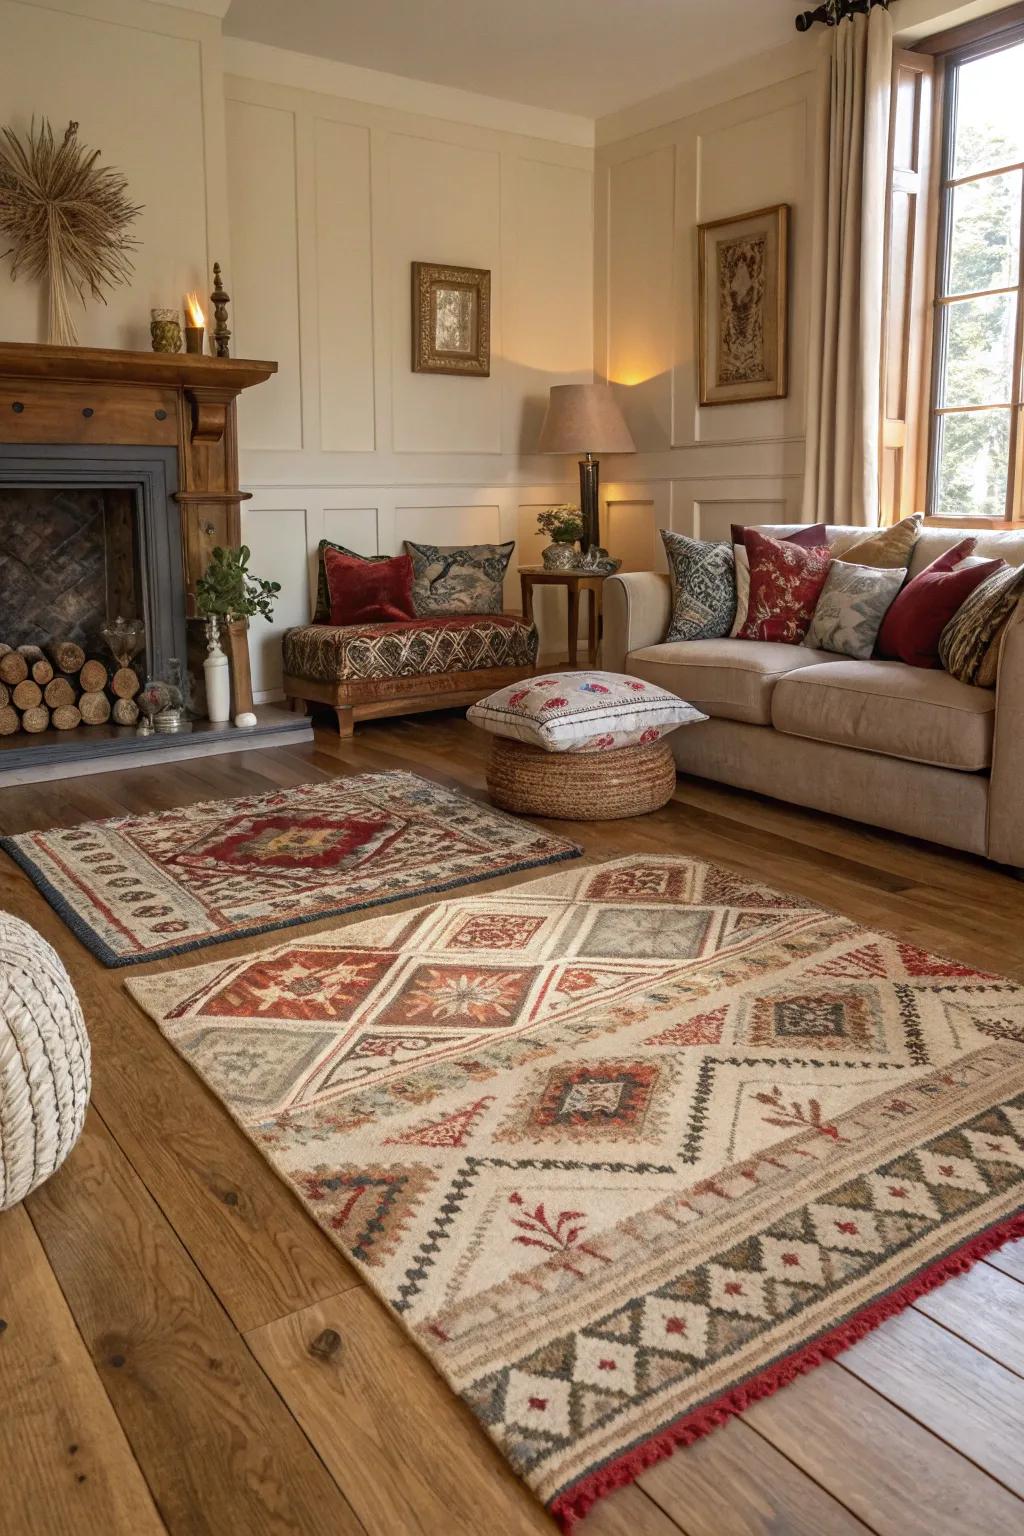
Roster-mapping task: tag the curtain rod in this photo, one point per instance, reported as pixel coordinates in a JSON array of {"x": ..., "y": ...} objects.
[{"x": 835, "y": 11}]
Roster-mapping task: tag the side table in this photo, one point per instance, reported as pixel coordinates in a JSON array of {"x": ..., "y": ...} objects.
[{"x": 575, "y": 582}]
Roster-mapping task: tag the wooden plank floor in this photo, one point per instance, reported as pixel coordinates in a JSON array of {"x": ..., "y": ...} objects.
[{"x": 160, "y": 1296}]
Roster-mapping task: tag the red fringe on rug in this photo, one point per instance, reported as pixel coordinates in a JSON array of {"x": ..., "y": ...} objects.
[{"x": 572, "y": 1505}]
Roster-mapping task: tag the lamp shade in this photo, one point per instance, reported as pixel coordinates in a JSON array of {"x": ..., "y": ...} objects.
[{"x": 584, "y": 418}]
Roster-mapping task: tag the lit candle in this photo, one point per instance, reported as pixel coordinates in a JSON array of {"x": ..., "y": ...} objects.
[{"x": 195, "y": 328}]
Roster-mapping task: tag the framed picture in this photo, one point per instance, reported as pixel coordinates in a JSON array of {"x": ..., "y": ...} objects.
[
  {"x": 742, "y": 307},
  {"x": 451, "y": 319}
]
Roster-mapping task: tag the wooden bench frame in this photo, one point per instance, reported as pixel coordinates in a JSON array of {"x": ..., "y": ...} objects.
[{"x": 369, "y": 698}]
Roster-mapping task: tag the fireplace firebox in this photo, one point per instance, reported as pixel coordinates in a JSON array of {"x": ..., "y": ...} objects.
[{"x": 87, "y": 534}]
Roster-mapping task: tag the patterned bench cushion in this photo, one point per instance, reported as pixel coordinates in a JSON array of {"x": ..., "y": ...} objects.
[{"x": 325, "y": 654}]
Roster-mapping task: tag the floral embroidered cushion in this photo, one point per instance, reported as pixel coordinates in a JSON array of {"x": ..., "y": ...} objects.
[
  {"x": 852, "y": 605},
  {"x": 786, "y": 581},
  {"x": 583, "y": 712},
  {"x": 966, "y": 641},
  {"x": 368, "y": 592},
  {"x": 703, "y": 587},
  {"x": 912, "y": 628},
  {"x": 809, "y": 537},
  {"x": 451, "y": 579},
  {"x": 322, "y": 608}
]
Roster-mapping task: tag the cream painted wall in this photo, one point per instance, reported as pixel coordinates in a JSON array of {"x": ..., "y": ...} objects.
[
  {"x": 144, "y": 83},
  {"x": 330, "y": 202},
  {"x": 698, "y": 469}
]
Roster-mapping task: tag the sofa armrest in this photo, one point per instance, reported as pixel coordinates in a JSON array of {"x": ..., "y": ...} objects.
[
  {"x": 637, "y": 608},
  {"x": 1006, "y": 791}
]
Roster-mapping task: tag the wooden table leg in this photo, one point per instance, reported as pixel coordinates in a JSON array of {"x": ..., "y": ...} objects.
[
  {"x": 593, "y": 623},
  {"x": 526, "y": 585},
  {"x": 574, "y": 622}
]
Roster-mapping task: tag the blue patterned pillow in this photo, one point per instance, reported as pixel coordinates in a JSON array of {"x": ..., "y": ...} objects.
[{"x": 703, "y": 587}]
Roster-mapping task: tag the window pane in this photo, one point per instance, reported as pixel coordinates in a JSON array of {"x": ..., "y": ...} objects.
[
  {"x": 989, "y": 122},
  {"x": 984, "y": 234},
  {"x": 972, "y": 464},
  {"x": 979, "y": 351}
]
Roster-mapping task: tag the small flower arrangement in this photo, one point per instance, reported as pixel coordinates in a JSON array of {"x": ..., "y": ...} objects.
[{"x": 562, "y": 525}]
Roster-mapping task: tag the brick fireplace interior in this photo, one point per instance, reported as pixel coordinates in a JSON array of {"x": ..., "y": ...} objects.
[{"x": 68, "y": 562}]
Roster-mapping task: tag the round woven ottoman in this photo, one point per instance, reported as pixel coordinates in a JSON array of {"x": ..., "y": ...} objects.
[
  {"x": 580, "y": 786},
  {"x": 44, "y": 1061}
]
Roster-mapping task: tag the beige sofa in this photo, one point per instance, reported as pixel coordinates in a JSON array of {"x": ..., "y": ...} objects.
[{"x": 877, "y": 741}]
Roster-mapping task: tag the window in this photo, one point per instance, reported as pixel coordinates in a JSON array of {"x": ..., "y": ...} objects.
[{"x": 976, "y": 433}]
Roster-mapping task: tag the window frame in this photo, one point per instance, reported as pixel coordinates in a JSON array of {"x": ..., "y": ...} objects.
[{"x": 962, "y": 45}]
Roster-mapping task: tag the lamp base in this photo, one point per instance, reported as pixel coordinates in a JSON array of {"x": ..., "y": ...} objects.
[{"x": 590, "y": 471}]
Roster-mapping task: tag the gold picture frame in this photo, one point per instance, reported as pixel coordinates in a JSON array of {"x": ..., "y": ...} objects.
[
  {"x": 743, "y": 307},
  {"x": 451, "y": 320}
]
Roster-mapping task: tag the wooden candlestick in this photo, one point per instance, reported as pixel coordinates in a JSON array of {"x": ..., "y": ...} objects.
[{"x": 220, "y": 300}]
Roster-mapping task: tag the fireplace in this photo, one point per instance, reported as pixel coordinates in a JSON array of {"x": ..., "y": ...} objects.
[
  {"x": 87, "y": 535},
  {"x": 118, "y": 478}
]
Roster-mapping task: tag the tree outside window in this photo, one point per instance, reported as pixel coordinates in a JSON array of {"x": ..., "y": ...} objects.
[{"x": 976, "y": 390}]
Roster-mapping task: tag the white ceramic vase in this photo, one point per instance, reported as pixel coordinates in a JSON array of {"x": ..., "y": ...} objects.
[{"x": 218, "y": 680}]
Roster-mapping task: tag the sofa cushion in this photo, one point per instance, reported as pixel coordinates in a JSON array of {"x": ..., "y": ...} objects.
[
  {"x": 965, "y": 642},
  {"x": 368, "y": 592},
  {"x": 884, "y": 548},
  {"x": 785, "y": 584},
  {"x": 728, "y": 679},
  {"x": 324, "y": 653},
  {"x": 887, "y": 707},
  {"x": 458, "y": 578},
  {"x": 703, "y": 587}
]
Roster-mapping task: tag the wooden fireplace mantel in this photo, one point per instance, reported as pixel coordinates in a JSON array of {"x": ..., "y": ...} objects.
[
  {"x": 103, "y": 397},
  {"x": 26, "y": 360}
]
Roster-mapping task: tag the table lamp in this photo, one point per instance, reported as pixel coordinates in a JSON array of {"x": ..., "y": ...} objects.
[{"x": 585, "y": 418}]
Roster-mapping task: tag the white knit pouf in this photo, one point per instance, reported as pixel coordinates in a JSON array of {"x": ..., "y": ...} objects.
[{"x": 44, "y": 1061}]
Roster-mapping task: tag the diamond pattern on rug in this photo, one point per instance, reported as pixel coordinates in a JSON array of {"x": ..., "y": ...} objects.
[
  {"x": 615, "y": 1142},
  {"x": 142, "y": 888},
  {"x": 452, "y": 996}
]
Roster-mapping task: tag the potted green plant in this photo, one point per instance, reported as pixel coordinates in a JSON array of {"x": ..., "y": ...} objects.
[
  {"x": 563, "y": 526},
  {"x": 228, "y": 595}
]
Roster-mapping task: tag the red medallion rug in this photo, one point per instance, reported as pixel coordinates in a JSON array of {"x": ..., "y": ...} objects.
[
  {"x": 625, "y": 1148},
  {"x": 143, "y": 887}
]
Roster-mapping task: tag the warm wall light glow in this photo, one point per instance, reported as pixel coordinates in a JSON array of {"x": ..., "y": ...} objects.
[
  {"x": 193, "y": 310},
  {"x": 630, "y": 376}
]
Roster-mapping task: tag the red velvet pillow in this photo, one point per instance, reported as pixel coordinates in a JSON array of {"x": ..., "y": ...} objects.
[
  {"x": 368, "y": 591},
  {"x": 808, "y": 537},
  {"x": 910, "y": 630},
  {"x": 785, "y": 583}
]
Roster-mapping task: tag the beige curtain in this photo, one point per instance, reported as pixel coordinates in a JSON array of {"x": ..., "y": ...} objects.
[{"x": 851, "y": 148}]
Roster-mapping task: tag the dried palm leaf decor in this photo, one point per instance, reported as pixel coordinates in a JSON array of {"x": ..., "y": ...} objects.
[{"x": 65, "y": 217}]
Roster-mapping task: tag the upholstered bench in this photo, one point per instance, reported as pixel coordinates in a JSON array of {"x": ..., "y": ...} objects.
[{"x": 364, "y": 671}]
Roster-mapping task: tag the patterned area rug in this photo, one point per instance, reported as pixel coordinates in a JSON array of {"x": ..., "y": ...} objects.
[
  {"x": 627, "y": 1147},
  {"x": 141, "y": 888}
]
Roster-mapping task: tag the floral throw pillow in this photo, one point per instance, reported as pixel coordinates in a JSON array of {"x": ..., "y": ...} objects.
[
  {"x": 583, "y": 712},
  {"x": 810, "y": 536},
  {"x": 451, "y": 579},
  {"x": 785, "y": 584},
  {"x": 703, "y": 587},
  {"x": 852, "y": 605}
]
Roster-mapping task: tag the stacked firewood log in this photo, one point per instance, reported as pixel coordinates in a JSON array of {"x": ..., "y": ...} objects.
[{"x": 60, "y": 688}]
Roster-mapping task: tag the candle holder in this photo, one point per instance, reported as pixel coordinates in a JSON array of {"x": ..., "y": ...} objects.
[
  {"x": 165, "y": 330},
  {"x": 195, "y": 338}
]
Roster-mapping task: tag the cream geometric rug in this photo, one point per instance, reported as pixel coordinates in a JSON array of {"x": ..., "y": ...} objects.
[{"x": 625, "y": 1147}]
